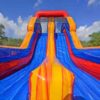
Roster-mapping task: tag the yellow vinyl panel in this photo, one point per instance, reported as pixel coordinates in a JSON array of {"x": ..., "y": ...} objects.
[
  {"x": 25, "y": 43},
  {"x": 29, "y": 34},
  {"x": 33, "y": 83},
  {"x": 74, "y": 36},
  {"x": 58, "y": 85},
  {"x": 51, "y": 44}
]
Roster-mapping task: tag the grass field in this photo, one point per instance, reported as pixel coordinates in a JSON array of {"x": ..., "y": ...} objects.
[
  {"x": 17, "y": 42},
  {"x": 90, "y": 43},
  {"x": 11, "y": 42}
]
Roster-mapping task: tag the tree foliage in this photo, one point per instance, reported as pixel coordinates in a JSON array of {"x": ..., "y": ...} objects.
[
  {"x": 2, "y": 33},
  {"x": 94, "y": 40}
]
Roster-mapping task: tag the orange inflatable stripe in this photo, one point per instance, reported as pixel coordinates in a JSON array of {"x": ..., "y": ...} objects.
[
  {"x": 30, "y": 29},
  {"x": 74, "y": 36},
  {"x": 50, "y": 53},
  {"x": 75, "y": 39}
]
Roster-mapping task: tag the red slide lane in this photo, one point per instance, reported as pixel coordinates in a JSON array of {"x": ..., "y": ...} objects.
[
  {"x": 7, "y": 68},
  {"x": 86, "y": 65}
]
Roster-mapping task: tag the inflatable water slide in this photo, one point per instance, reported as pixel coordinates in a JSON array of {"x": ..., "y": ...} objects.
[{"x": 51, "y": 65}]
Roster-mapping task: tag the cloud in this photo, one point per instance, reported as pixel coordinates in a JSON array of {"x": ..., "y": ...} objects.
[
  {"x": 91, "y": 2},
  {"x": 14, "y": 29},
  {"x": 20, "y": 20},
  {"x": 37, "y": 3},
  {"x": 84, "y": 31},
  {"x": 19, "y": 29}
]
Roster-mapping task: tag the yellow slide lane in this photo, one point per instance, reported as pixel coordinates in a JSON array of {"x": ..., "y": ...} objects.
[
  {"x": 29, "y": 34},
  {"x": 51, "y": 80},
  {"x": 74, "y": 36},
  {"x": 26, "y": 41}
]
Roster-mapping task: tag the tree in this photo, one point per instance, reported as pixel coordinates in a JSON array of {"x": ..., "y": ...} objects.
[
  {"x": 94, "y": 40},
  {"x": 2, "y": 33}
]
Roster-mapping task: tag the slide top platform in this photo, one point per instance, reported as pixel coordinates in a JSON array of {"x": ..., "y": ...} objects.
[{"x": 51, "y": 13}]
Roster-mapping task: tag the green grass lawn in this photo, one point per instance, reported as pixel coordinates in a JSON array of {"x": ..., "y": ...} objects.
[
  {"x": 11, "y": 42},
  {"x": 17, "y": 42},
  {"x": 90, "y": 44},
  {"x": 94, "y": 41}
]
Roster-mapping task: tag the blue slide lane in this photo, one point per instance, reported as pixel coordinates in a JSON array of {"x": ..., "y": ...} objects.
[
  {"x": 15, "y": 87},
  {"x": 85, "y": 86},
  {"x": 91, "y": 55},
  {"x": 9, "y": 54}
]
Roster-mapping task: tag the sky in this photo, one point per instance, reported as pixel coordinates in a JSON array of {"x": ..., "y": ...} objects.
[{"x": 15, "y": 14}]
